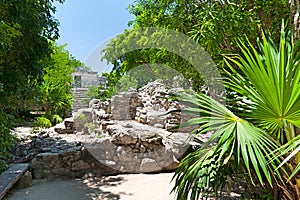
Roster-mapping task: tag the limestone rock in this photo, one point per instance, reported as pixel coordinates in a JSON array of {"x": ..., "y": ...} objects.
[
  {"x": 25, "y": 181},
  {"x": 94, "y": 104},
  {"x": 82, "y": 117},
  {"x": 124, "y": 138},
  {"x": 149, "y": 165}
]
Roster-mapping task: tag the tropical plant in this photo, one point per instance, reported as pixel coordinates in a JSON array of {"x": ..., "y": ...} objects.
[
  {"x": 254, "y": 143},
  {"x": 215, "y": 25},
  {"x": 42, "y": 122},
  {"x": 55, "y": 91},
  {"x": 26, "y": 27},
  {"x": 6, "y": 139}
]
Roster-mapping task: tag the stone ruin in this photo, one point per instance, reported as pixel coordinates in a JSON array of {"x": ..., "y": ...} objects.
[
  {"x": 83, "y": 78},
  {"x": 134, "y": 132}
]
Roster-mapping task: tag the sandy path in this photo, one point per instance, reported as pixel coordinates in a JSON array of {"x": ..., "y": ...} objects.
[{"x": 121, "y": 187}]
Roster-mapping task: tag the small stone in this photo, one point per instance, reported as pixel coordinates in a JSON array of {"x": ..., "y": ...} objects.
[
  {"x": 46, "y": 149},
  {"x": 124, "y": 138},
  {"x": 25, "y": 181},
  {"x": 143, "y": 149}
]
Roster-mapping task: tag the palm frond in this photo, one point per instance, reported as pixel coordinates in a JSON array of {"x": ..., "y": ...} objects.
[
  {"x": 270, "y": 79},
  {"x": 239, "y": 146},
  {"x": 292, "y": 148}
]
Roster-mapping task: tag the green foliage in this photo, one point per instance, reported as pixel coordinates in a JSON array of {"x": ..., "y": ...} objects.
[
  {"x": 90, "y": 126},
  {"x": 272, "y": 83},
  {"x": 26, "y": 27},
  {"x": 42, "y": 122},
  {"x": 55, "y": 91},
  {"x": 81, "y": 116},
  {"x": 6, "y": 139},
  {"x": 92, "y": 92},
  {"x": 55, "y": 119},
  {"x": 249, "y": 144},
  {"x": 215, "y": 25},
  {"x": 27, "y": 31}
]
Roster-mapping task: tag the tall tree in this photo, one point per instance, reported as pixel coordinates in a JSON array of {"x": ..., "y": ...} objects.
[
  {"x": 215, "y": 25},
  {"x": 28, "y": 26},
  {"x": 295, "y": 18}
]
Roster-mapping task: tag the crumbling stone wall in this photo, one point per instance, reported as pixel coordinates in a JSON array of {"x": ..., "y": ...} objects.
[
  {"x": 132, "y": 147},
  {"x": 131, "y": 134},
  {"x": 149, "y": 105},
  {"x": 123, "y": 105}
]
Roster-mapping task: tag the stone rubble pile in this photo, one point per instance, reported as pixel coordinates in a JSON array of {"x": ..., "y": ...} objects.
[
  {"x": 134, "y": 132},
  {"x": 40, "y": 142},
  {"x": 155, "y": 105},
  {"x": 149, "y": 105},
  {"x": 134, "y": 148},
  {"x": 53, "y": 155}
]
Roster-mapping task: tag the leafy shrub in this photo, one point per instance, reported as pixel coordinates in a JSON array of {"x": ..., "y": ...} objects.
[
  {"x": 6, "y": 139},
  {"x": 55, "y": 119},
  {"x": 42, "y": 122}
]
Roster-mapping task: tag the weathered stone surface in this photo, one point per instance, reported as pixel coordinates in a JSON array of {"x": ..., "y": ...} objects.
[
  {"x": 82, "y": 117},
  {"x": 94, "y": 104},
  {"x": 64, "y": 131},
  {"x": 124, "y": 154},
  {"x": 25, "y": 181},
  {"x": 69, "y": 123},
  {"x": 123, "y": 105},
  {"x": 66, "y": 165},
  {"x": 80, "y": 165},
  {"x": 149, "y": 165},
  {"x": 156, "y": 117},
  {"x": 124, "y": 138}
]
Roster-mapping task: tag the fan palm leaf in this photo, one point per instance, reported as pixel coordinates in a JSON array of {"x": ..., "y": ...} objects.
[
  {"x": 239, "y": 146},
  {"x": 268, "y": 80}
]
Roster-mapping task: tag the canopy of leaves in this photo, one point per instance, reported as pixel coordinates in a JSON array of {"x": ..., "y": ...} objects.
[
  {"x": 25, "y": 29},
  {"x": 214, "y": 25}
]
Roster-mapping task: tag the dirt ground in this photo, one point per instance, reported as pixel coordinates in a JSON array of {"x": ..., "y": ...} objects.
[{"x": 121, "y": 187}]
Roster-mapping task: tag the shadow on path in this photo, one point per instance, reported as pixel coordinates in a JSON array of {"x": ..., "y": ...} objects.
[
  {"x": 79, "y": 189},
  {"x": 120, "y": 187}
]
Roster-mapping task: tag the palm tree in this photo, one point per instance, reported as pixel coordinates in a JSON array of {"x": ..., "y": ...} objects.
[{"x": 260, "y": 142}]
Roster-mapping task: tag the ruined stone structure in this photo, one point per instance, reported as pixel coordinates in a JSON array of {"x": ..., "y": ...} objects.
[
  {"x": 131, "y": 133},
  {"x": 83, "y": 78}
]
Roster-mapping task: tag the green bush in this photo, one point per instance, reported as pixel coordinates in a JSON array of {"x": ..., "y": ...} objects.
[
  {"x": 6, "y": 139},
  {"x": 42, "y": 122},
  {"x": 55, "y": 119}
]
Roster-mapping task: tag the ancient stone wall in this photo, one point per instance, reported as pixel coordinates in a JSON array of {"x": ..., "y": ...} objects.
[
  {"x": 134, "y": 132},
  {"x": 149, "y": 105},
  {"x": 79, "y": 98},
  {"x": 132, "y": 147},
  {"x": 123, "y": 105}
]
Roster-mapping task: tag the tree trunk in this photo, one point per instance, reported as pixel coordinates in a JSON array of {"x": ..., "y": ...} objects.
[{"x": 295, "y": 20}]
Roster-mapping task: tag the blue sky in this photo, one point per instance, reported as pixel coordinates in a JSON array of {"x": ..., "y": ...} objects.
[{"x": 86, "y": 24}]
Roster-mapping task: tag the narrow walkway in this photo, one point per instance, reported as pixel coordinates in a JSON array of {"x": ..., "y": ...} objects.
[
  {"x": 10, "y": 177},
  {"x": 121, "y": 187}
]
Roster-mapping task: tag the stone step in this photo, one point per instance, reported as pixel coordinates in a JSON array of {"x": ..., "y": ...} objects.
[{"x": 10, "y": 177}]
